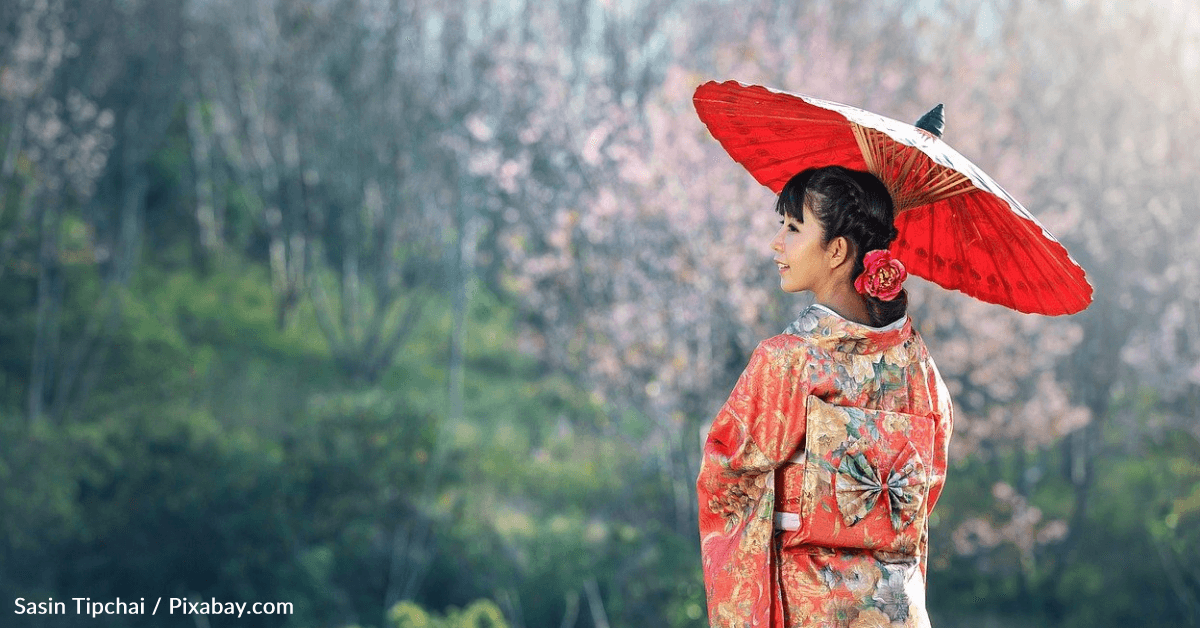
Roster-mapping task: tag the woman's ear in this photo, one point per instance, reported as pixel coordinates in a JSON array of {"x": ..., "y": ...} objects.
[{"x": 838, "y": 252}]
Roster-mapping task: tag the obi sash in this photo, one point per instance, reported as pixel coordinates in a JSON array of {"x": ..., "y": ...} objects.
[{"x": 860, "y": 481}]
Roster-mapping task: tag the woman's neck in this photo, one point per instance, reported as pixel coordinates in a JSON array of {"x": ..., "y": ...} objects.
[{"x": 850, "y": 305}]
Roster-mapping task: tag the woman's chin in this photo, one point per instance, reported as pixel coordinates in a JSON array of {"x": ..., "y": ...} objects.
[{"x": 783, "y": 285}]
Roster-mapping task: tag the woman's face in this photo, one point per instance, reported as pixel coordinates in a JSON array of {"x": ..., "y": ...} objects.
[{"x": 800, "y": 253}]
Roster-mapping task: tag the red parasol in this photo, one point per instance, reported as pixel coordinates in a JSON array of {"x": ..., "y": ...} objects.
[{"x": 958, "y": 228}]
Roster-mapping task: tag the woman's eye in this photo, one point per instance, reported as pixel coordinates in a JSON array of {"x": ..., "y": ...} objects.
[{"x": 792, "y": 228}]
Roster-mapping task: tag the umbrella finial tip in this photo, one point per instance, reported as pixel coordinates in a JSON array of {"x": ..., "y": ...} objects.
[{"x": 934, "y": 121}]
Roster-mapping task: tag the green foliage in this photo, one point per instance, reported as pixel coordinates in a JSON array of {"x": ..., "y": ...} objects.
[
  {"x": 478, "y": 614},
  {"x": 1130, "y": 561},
  {"x": 220, "y": 456}
]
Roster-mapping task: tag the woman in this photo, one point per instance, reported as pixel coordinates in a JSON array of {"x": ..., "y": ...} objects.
[{"x": 821, "y": 469}]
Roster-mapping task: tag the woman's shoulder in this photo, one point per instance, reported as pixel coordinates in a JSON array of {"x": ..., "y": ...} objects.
[
  {"x": 785, "y": 341},
  {"x": 783, "y": 352},
  {"x": 788, "y": 343}
]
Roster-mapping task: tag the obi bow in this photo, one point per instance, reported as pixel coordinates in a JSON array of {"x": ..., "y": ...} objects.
[{"x": 859, "y": 485}]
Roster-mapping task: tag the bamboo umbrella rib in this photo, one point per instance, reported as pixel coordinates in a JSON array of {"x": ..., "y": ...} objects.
[
  {"x": 877, "y": 149},
  {"x": 947, "y": 184},
  {"x": 906, "y": 167},
  {"x": 865, "y": 146}
]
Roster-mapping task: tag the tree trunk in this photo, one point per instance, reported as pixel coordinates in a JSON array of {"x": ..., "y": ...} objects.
[
  {"x": 49, "y": 302},
  {"x": 206, "y": 215}
]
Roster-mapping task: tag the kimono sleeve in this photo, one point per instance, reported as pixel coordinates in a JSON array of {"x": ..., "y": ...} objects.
[
  {"x": 759, "y": 428},
  {"x": 762, "y": 424}
]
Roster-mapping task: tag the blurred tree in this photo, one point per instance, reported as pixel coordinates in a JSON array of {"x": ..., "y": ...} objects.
[
  {"x": 318, "y": 115},
  {"x": 89, "y": 89}
]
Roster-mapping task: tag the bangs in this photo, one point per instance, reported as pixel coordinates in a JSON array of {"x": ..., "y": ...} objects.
[{"x": 791, "y": 198}]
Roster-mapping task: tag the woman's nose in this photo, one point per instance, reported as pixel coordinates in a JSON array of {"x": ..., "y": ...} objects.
[{"x": 777, "y": 241}]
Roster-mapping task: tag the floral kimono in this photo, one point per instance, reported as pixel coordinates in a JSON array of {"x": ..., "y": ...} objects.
[{"x": 818, "y": 477}]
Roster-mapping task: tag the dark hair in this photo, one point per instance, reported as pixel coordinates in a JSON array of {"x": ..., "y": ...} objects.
[{"x": 852, "y": 204}]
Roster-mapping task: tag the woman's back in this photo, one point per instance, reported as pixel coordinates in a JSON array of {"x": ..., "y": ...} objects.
[
  {"x": 858, "y": 556},
  {"x": 819, "y": 475}
]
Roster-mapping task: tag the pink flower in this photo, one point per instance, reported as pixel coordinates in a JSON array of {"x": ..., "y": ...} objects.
[{"x": 882, "y": 277}]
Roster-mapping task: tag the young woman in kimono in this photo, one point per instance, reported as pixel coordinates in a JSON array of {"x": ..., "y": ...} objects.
[{"x": 821, "y": 469}]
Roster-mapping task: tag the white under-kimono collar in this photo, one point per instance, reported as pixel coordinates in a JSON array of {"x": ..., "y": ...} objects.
[{"x": 892, "y": 326}]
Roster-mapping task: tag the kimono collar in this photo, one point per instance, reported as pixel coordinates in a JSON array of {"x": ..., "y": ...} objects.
[{"x": 830, "y": 331}]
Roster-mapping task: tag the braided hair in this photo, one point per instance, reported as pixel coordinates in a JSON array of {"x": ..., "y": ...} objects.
[{"x": 852, "y": 204}]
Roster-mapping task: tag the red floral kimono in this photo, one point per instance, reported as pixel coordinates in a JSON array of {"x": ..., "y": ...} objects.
[{"x": 818, "y": 477}]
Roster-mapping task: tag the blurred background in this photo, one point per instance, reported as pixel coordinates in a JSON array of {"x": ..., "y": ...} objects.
[{"x": 415, "y": 312}]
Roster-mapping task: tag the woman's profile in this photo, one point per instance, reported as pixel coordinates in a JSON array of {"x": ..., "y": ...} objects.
[{"x": 821, "y": 469}]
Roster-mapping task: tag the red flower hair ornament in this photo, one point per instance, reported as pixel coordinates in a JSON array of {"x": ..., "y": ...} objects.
[{"x": 882, "y": 277}]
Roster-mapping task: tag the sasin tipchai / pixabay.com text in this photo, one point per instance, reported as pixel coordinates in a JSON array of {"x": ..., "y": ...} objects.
[{"x": 174, "y": 606}]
